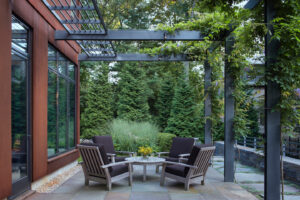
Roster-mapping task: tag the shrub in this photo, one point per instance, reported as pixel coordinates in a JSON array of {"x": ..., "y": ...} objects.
[
  {"x": 129, "y": 135},
  {"x": 164, "y": 141}
]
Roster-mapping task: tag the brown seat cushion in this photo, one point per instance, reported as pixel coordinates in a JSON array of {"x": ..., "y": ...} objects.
[
  {"x": 119, "y": 169},
  {"x": 181, "y": 146},
  {"x": 176, "y": 170},
  {"x": 192, "y": 157},
  {"x": 107, "y": 141},
  {"x": 172, "y": 159}
]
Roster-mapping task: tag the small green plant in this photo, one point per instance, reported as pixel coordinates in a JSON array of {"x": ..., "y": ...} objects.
[
  {"x": 129, "y": 135},
  {"x": 164, "y": 141}
]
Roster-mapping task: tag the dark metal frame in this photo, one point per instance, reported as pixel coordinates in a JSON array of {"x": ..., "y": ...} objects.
[
  {"x": 134, "y": 35},
  {"x": 69, "y": 80},
  {"x": 18, "y": 187},
  {"x": 83, "y": 18}
]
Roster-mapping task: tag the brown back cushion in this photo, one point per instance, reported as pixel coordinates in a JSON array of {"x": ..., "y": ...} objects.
[
  {"x": 107, "y": 141},
  {"x": 101, "y": 150},
  {"x": 181, "y": 146},
  {"x": 192, "y": 158}
]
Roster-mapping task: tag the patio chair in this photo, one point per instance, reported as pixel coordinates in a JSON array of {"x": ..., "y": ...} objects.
[
  {"x": 195, "y": 167},
  {"x": 96, "y": 166},
  {"x": 180, "y": 150},
  {"x": 107, "y": 141}
]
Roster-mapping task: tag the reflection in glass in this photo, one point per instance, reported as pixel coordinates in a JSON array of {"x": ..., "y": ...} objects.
[
  {"x": 62, "y": 118},
  {"x": 71, "y": 70},
  {"x": 52, "y": 113},
  {"x": 72, "y": 116},
  {"x": 19, "y": 100},
  {"x": 61, "y": 103},
  {"x": 19, "y": 121},
  {"x": 62, "y": 64}
]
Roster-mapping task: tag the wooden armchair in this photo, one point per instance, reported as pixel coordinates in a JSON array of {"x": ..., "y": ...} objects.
[
  {"x": 96, "y": 166},
  {"x": 195, "y": 167},
  {"x": 107, "y": 142},
  {"x": 180, "y": 150}
]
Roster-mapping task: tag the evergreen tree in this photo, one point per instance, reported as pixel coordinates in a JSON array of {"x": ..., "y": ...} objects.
[
  {"x": 181, "y": 121},
  {"x": 98, "y": 110},
  {"x": 164, "y": 102},
  {"x": 133, "y": 93}
]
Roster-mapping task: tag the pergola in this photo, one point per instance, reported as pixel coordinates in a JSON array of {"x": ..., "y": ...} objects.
[{"x": 84, "y": 24}]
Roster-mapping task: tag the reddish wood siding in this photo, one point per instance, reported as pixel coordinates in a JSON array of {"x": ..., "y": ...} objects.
[
  {"x": 43, "y": 25},
  {"x": 5, "y": 99},
  {"x": 62, "y": 160}
]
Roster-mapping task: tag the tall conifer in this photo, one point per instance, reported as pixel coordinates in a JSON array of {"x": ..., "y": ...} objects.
[
  {"x": 98, "y": 110},
  {"x": 132, "y": 98},
  {"x": 181, "y": 121}
]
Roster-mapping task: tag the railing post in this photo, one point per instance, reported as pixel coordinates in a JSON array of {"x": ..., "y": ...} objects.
[
  {"x": 254, "y": 143},
  {"x": 283, "y": 149},
  {"x": 245, "y": 141}
]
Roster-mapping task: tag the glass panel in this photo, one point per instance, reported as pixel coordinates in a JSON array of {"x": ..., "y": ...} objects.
[
  {"x": 61, "y": 103},
  {"x": 62, "y": 64},
  {"x": 52, "y": 113},
  {"x": 52, "y": 64},
  {"x": 71, "y": 70},
  {"x": 72, "y": 116},
  {"x": 19, "y": 117},
  {"x": 51, "y": 57},
  {"x": 19, "y": 36},
  {"x": 62, "y": 117}
]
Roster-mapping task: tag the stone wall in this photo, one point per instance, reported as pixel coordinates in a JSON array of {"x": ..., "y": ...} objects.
[{"x": 249, "y": 156}]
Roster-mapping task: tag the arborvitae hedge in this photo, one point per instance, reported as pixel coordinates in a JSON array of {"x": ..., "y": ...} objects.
[
  {"x": 132, "y": 102},
  {"x": 98, "y": 110},
  {"x": 164, "y": 102},
  {"x": 181, "y": 121}
]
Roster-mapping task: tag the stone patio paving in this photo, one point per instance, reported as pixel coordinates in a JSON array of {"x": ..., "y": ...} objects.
[
  {"x": 214, "y": 189},
  {"x": 252, "y": 179}
]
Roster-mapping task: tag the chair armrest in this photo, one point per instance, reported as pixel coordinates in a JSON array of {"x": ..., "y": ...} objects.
[
  {"x": 112, "y": 156},
  {"x": 184, "y": 155},
  {"x": 161, "y": 153},
  {"x": 115, "y": 164},
  {"x": 180, "y": 164},
  {"x": 126, "y": 152},
  {"x": 181, "y": 160}
]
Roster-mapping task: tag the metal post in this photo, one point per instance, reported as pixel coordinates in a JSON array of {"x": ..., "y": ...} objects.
[
  {"x": 207, "y": 103},
  {"x": 254, "y": 143},
  {"x": 283, "y": 149},
  {"x": 245, "y": 141},
  {"x": 229, "y": 153},
  {"x": 272, "y": 118}
]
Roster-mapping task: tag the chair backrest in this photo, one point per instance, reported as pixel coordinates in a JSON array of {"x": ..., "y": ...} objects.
[
  {"x": 200, "y": 157},
  {"x": 181, "y": 146},
  {"x": 107, "y": 141},
  {"x": 93, "y": 156}
]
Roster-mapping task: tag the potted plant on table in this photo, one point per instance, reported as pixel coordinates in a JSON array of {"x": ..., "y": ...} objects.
[{"x": 145, "y": 151}]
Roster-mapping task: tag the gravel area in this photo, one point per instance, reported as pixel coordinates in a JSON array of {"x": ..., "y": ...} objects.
[{"x": 54, "y": 183}]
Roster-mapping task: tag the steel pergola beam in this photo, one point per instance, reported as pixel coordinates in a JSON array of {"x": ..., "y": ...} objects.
[
  {"x": 71, "y": 8},
  {"x": 135, "y": 57},
  {"x": 133, "y": 35}
]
